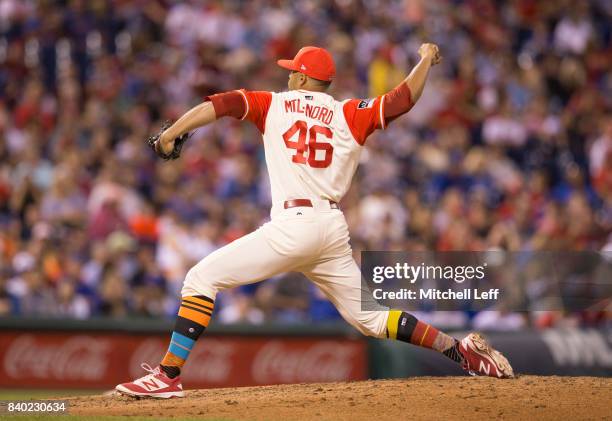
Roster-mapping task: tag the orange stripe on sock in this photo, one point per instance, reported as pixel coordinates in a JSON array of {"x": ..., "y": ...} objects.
[
  {"x": 417, "y": 333},
  {"x": 196, "y": 308},
  {"x": 195, "y": 316},
  {"x": 424, "y": 334},
  {"x": 172, "y": 360},
  {"x": 430, "y": 336},
  {"x": 201, "y": 300},
  {"x": 198, "y": 302}
]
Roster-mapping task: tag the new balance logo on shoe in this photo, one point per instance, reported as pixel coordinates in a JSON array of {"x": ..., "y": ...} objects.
[
  {"x": 480, "y": 359},
  {"x": 485, "y": 368},
  {"x": 155, "y": 384},
  {"x": 150, "y": 384}
]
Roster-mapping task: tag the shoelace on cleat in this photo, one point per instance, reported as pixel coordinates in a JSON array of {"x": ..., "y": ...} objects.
[{"x": 152, "y": 371}]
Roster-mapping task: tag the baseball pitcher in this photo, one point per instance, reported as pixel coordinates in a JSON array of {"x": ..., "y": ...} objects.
[{"x": 312, "y": 145}]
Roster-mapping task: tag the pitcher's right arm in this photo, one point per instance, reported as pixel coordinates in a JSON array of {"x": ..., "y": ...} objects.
[
  {"x": 403, "y": 97},
  {"x": 365, "y": 116}
]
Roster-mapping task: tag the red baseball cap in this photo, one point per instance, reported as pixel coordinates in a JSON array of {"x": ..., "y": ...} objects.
[{"x": 315, "y": 62}]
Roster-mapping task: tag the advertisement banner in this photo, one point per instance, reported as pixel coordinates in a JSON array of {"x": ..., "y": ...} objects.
[{"x": 102, "y": 360}]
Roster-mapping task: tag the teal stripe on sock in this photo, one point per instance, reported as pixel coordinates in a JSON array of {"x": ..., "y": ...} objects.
[
  {"x": 178, "y": 351},
  {"x": 182, "y": 340}
]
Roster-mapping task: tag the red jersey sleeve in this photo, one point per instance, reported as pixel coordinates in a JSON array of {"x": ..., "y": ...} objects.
[
  {"x": 364, "y": 116},
  {"x": 257, "y": 106},
  {"x": 244, "y": 105}
]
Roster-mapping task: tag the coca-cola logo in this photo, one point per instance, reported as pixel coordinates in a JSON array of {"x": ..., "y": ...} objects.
[
  {"x": 209, "y": 361},
  {"x": 321, "y": 362},
  {"x": 77, "y": 358}
]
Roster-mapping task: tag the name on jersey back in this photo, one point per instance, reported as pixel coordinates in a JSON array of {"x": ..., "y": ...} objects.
[{"x": 316, "y": 112}]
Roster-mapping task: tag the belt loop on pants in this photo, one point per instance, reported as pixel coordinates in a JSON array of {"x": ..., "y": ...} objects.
[{"x": 306, "y": 203}]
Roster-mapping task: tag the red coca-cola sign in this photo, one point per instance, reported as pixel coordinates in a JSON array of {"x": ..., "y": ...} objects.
[
  {"x": 68, "y": 360},
  {"x": 325, "y": 361},
  {"x": 81, "y": 358}
]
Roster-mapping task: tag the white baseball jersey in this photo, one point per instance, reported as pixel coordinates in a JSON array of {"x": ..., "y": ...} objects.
[{"x": 312, "y": 142}]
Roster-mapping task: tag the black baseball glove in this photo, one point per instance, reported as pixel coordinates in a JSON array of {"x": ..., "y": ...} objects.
[{"x": 153, "y": 142}]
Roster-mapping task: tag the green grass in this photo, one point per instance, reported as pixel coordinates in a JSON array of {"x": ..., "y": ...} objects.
[{"x": 28, "y": 394}]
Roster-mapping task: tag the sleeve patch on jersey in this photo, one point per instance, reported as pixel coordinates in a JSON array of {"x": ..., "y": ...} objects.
[{"x": 366, "y": 103}]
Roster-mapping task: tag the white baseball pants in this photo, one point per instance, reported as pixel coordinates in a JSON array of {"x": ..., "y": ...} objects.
[{"x": 310, "y": 240}]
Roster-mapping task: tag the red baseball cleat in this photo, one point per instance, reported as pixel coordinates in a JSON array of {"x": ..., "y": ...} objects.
[
  {"x": 154, "y": 385},
  {"x": 479, "y": 359}
]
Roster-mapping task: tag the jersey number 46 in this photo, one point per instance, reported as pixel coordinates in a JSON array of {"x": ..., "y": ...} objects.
[{"x": 300, "y": 128}]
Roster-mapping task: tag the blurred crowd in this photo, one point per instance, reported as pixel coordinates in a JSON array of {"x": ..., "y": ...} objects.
[{"x": 510, "y": 146}]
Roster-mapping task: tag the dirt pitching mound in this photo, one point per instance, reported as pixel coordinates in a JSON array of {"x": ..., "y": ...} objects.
[{"x": 527, "y": 397}]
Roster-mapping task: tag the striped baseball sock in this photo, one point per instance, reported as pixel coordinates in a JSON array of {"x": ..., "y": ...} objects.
[
  {"x": 405, "y": 327},
  {"x": 193, "y": 318}
]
